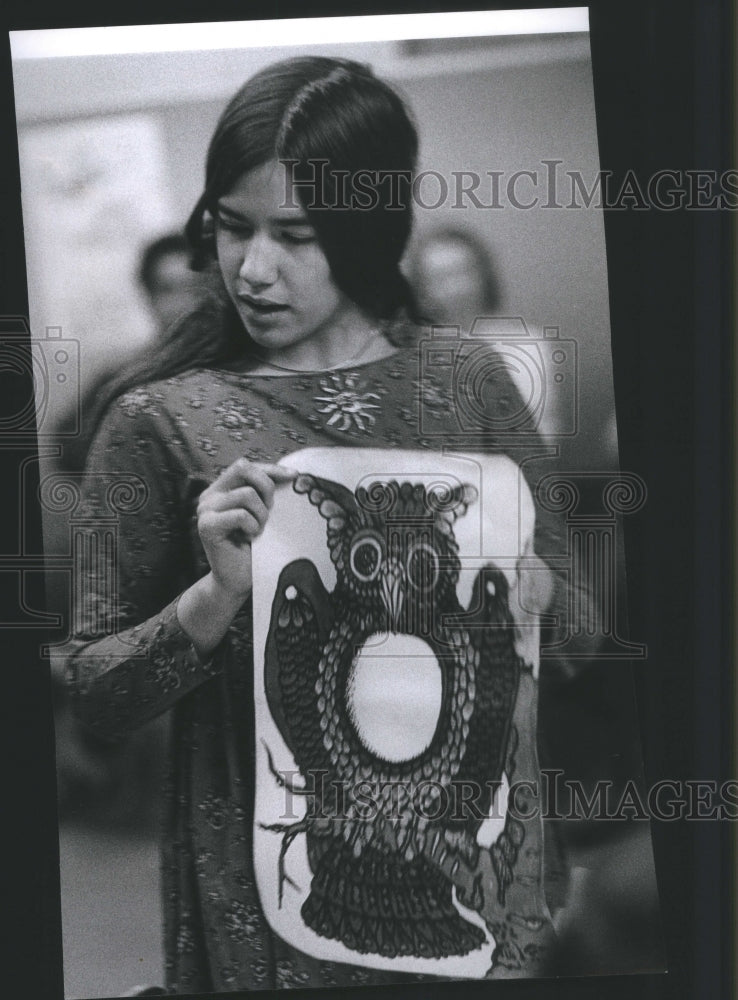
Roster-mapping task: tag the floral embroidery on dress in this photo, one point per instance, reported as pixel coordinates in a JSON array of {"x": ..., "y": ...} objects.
[
  {"x": 202, "y": 859},
  {"x": 163, "y": 672},
  {"x": 137, "y": 401},
  {"x": 206, "y": 444},
  {"x": 186, "y": 944},
  {"x": 408, "y": 415},
  {"x": 392, "y": 437},
  {"x": 434, "y": 396},
  {"x": 259, "y": 968},
  {"x": 349, "y": 408},
  {"x": 360, "y": 976},
  {"x": 230, "y": 973},
  {"x": 289, "y": 977},
  {"x": 257, "y": 455},
  {"x": 233, "y": 415},
  {"x": 292, "y": 434},
  {"x": 243, "y": 922},
  {"x": 215, "y": 810},
  {"x": 328, "y": 974}
]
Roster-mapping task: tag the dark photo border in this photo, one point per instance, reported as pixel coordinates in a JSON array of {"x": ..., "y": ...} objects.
[{"x": 663, "y": 78}]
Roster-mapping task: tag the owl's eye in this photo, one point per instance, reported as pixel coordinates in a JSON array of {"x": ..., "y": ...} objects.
[
  {"x": 422, "y": 566},
  {"x": 365, "y": 557}
]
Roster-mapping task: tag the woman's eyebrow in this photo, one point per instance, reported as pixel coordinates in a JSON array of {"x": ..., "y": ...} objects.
[
  {"x": 222, "y": 209},
  {"x": 277, "y": 220},
  {"x": 298, "y": 220}
]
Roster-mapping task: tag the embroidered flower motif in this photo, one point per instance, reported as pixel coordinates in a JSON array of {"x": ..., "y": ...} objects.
[
  {"x": 290, "y": 977},
  {"x": 244, "y": 880},
  {"x": 185, "y": 941},
  {"x": 259, "y": 968},
  {"x": 137, "y": 401},
  {"x": 230, "y": 973},
  {"x": 393, "y": 437},
  {"x": 349, "y": 408},
  {"x": 293, "y": 434},
  {"x": 164, "y": 673},
  {"x": 242, "y": 921},
  {"x": 202, "y": 858},
  {"x": 162, "y": 525},
  {"x": 234, "y": 415},
  {"x": 257, "y": 455},
  {"x": 328, "y": 974},
  {"x": 214, "y": 808},
  {"x": 407, "y": 415},
  {"x": 433, "y": 395},
  {"x": 207, "y": 446}
]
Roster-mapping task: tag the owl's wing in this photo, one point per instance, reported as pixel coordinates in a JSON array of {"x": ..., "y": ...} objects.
[
  {"x": 491, "y": 631},
  {"x": 301, "y": 621}
]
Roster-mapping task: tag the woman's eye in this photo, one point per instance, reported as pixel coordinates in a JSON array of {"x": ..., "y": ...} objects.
[
  {"x": 289, "y": 236},
  {"x": 234, "y": 226}
]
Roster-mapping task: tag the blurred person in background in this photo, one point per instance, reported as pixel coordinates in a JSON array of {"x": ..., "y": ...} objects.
[
  {"x": 455, "y": 282},
  {"x": 454, "y": 278},
  {"x": 96, "y": 781},
  {"x": 171, "y": 290}
]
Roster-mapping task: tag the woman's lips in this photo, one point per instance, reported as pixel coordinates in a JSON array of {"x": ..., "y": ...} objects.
[{"x": 262, "y": 307}]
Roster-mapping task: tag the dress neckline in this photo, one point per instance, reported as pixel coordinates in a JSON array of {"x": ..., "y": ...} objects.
[{"x": 285, "y": 376}]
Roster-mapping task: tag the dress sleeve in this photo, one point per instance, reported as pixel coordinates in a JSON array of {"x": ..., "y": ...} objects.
[{"x": 129, "y": 659}]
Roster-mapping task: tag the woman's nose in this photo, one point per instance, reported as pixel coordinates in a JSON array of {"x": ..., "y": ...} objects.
[{"x": 259, "y": 265}]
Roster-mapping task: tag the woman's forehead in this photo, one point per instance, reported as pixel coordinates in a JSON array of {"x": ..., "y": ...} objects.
[{"x": 265, "y": 188}]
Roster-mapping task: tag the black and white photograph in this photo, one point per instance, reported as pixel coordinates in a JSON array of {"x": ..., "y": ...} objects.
[{"x": 343, "y": 671}]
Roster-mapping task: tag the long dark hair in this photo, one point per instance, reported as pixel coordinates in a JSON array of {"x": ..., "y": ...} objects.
[{"x": 333, "y": 116}]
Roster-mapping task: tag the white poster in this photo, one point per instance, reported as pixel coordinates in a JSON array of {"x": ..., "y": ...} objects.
[{"x": 395, "y": 677}]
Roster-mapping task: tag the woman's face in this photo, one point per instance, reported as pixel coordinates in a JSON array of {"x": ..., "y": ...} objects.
[{"x": 272, "y": 264}]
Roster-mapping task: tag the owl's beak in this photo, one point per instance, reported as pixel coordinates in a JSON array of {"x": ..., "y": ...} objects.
[{"x": 393, "y": 592}]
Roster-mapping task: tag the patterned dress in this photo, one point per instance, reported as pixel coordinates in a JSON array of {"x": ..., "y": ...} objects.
[{"x": 130, "y": 660}]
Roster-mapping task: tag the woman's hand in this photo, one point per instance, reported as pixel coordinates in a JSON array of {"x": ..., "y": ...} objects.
[{"x": 230, "y": 514}]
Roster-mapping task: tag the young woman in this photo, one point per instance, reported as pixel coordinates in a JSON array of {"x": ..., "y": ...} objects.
[{"x": 306, "y": 340}]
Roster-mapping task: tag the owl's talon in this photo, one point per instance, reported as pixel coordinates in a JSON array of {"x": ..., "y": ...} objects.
[
  {"x": 290, "y": 831},
  {"x": 280, "y": 778}
]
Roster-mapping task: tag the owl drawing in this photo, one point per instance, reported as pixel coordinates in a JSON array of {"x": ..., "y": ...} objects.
[{"x": 377, "y": 800}]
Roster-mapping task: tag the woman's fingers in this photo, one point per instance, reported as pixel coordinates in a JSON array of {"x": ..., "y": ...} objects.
[
  {"x": 262, "y": 477},
  {"x": 235, "y": 507},
  {"x": 245, "y": 497},
  {"x": 214, "y": 526}
]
